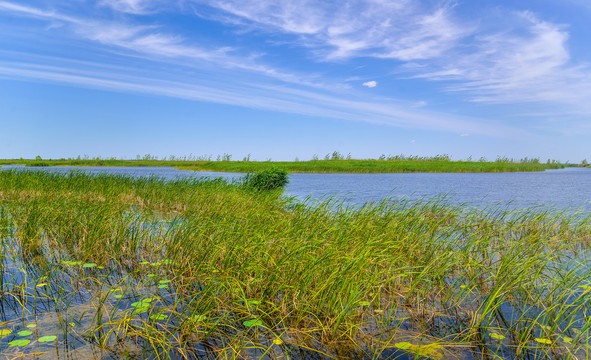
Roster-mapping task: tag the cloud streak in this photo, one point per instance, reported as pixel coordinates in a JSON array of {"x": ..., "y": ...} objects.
[{"x": 396, "y": 29}]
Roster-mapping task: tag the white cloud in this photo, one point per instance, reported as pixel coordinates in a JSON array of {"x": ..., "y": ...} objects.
[
  {"x": 129, "y": 6},
  {"x": 370, "y": 84},
  {"x": 397, "y": 29}
]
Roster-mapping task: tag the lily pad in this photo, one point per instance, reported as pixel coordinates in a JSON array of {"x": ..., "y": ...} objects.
[
  {"x": 4, "y": 332},
  {"x": 164, "y": 281},
  {"x": 431, "y": 351},
  {"x": 199, "y": 318},
  {"x": 497, "y": 336},
  {"x": 89, "y": 265},
  {"x": 163, "y": 286},
  {"x": 278, "y": 341},
  {"x": 543, "y": 341},
  {"x": 30, "y": 326},
  {"x": 253, "y": 322},
  {"x": 404, "y": 345},
  {"x": 364, "y": 303},
  {"x": 118, "y": 296},
  {"x": 41, "y": 285},
  {"x": 19, "y": 342},
  {"x": 48, "y": 338},
  {"x": 159, "y": 317},
  {"x": 25, "y": 333},
  {"x": 140, "y": 304}
]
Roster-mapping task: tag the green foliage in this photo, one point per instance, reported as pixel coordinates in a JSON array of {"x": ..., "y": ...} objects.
[
  {"x": 270, "y": 179},
  {"x": 214, "y": 263}
]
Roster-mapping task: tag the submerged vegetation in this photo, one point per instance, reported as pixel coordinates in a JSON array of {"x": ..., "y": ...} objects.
[{"x": 112, "y": 266}]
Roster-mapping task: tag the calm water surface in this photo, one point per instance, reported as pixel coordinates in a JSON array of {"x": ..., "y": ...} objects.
[{"x": 568, "y": 188}]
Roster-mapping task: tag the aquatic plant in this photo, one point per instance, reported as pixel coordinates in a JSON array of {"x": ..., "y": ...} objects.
[
  {"x": 266, "y": 180},
  {"x": 194, "y": 268}
]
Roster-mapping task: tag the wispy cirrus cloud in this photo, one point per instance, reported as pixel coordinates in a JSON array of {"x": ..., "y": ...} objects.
[
  {"x": 137, "y": 7},
  {"x": 528, "y": 63},
  {"x": 396, "y": 29},
  {"x": 258, "y": 96}
]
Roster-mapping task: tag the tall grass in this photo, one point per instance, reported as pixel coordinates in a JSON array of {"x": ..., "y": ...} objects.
[
  {"x": 314, "y": 166},
  {"x": 193, "y": 268}
]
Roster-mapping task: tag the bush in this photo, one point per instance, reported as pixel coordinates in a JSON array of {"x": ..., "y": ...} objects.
[{"x": 270, "y": 179}]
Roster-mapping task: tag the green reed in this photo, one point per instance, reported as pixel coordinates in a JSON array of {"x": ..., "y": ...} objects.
[
  {"x": 340, "y": 165},
  {"x": 199, "y": 268}
]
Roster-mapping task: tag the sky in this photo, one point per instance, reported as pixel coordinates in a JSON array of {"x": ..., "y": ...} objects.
[{"x": 287, "y": 79}]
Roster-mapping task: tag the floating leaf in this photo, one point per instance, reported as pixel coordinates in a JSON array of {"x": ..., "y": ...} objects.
[
  {"x": 151, "y": 275},
  {"x": 431, "y": 351},
  {"x": 199, "y": 318},
  {"x": 4, "y": 332},
  {"x": 25, "y": 333},
  {"x": 148, "y": 300},
  {"x": 144, "y": 263},
  {"x": 164, "y": 281},
  {"x": 567, "y": 339},
  {"x": 89, "y": 265},
  {"x": 379, "y": 311},
  {"x": 100, "y": 267},
  {"x": 404, "y": 345},
  {"x": 48, "y": 338},
  {"x": 158, "y": 317},
  {"x": 364, "y": 303},
  {"x": 118, "y": 296},
  {"x": 497, "y": 336},
  {"x": 163, "y": 286},
  {"x": 19, "y": 342},
  {"x": 140, "y": 304},
  {"x": 278, "y": 341},
  {"x": 544, "y": 341},
  {"x": 41, "y": 285},
  {"x": 253, "y": 322},
  {"x": 30, "y": 326}
]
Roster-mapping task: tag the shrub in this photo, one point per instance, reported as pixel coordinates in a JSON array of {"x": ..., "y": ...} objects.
[{"x": 270, "y": 179}]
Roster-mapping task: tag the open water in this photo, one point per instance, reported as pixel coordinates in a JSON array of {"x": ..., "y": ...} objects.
[{"x": 562, "y": 189}]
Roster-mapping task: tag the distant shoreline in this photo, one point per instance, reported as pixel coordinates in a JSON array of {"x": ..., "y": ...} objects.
[{"x": 311, "y": 166}]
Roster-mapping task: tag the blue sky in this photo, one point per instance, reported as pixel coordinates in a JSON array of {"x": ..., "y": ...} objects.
[{"x": 283, "y": 79}]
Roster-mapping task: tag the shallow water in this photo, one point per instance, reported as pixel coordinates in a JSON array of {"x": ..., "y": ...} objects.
[{"x": 560, "y": 189}]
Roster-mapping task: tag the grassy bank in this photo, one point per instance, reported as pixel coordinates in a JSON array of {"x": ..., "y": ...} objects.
[
  {"x": 98, "y": 266},
  {"x": 313, "y": 166}
]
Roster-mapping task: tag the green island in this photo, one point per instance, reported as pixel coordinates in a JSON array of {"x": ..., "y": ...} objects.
[
  {"x": 124, "y": 267},
  {"x": 332, "y": 163}
]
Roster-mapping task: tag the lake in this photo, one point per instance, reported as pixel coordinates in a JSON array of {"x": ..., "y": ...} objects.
[{"x": 562, "y": 189}]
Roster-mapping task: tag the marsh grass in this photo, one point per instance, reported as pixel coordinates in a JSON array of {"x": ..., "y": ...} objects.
[
  {"x": 194, "y": 268},
  {"x": 434, "y": 165}
]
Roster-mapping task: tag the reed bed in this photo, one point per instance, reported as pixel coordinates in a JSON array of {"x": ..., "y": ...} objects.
[
  {"x": 432, "y": 165},
  {"x": 121, "y": 267}
]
